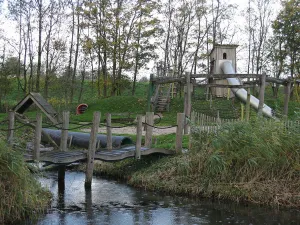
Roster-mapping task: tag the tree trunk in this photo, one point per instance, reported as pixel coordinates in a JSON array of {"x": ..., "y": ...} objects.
[
  {"x": 81, "y": 84},
  {"x": 68, "y": 75},
  {"x": 76, "y": 56},
  {"x": 47, "y": 76},
  {"x": 137, "y": 55},
  {"x": 39, "y": 64}
]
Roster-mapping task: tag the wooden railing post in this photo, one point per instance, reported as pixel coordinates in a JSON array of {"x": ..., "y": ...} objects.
[
  {"x": 149, "y": 129},
  {"x": 150, "y": 92},
  {"x": 91, "y": 150},
  {"x": 139, "y": 129},
  {"x": 37, "y": 137},
  {"x": 188, "y": 105},
  {"x": 179, "y": 131},
  {"x": 242, "y": 111},
  {"x": 248, "y": 105},
  {"x": 11, "y": 125},
  {"x": 64, "y": 132},
  {"x": 108, "y": 131},
  {"x": 261, "y": 94},
  {"x": 63, "y": 147},
  {"x": 287, "y": 92}
]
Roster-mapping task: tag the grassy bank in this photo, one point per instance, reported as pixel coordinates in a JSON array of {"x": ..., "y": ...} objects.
[
  {"x": 21, "y": 196},
  {"x": 257, "y": 162}
]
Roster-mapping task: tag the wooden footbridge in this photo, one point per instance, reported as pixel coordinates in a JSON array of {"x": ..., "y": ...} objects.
[
  {"x": 95, "y": 148},
  {"x": 69, "y": 157}
]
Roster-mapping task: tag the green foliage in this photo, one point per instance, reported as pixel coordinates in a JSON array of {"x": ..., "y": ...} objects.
[
  {"x": 117, "y": 104},
  {"x": 21, "y": 196},
  {"x": 286, "y": 29},
  {"x": 168, "y": 141}
]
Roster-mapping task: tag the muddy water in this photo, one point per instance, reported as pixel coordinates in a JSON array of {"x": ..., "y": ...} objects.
[{"x": 113, "y": 203}]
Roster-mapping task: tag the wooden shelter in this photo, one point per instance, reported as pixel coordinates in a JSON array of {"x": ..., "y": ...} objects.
[{"x": 40, "y": 102}]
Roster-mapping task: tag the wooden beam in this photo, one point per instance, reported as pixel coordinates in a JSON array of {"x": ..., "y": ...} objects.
[
  {"x": 179, "y": 132},
  {"x": 91, "y": 150},
  {"x": 149, "y": 129},
  {"x": 164, "y": 80},
  {"x": 224, "y": 85},
  {"x": 287, "y": 92},
  {"x": 108, "y": 131},
  {"x": 139, "y": 129},
  {"x": 224, "y": 76},
  {"x": 189, "y": 103},
  {"x": 11, "y": 125},
  {"x": 64, "y": 132},
  {"x": 37, "y": 137},
  {"x": 63, "y": 147},
  {"x": 261, "y": 94},
  {"x": 248, "y": 105}
]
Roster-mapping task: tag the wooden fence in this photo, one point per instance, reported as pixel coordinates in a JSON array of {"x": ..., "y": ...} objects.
[
  {"x": 208, "y": 123},
  {"x": 205, "y": 123}
]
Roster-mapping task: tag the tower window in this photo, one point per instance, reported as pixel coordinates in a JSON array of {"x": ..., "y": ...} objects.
[{"x": 224, "y": 55}]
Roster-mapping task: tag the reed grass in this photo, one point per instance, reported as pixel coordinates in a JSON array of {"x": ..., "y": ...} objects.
[
  {"x": 256, "y": 162},
  {"x": 21, "y": 196}
]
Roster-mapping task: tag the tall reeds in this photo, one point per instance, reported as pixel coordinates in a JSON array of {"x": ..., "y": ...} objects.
[{"x": 21, "y": 196}]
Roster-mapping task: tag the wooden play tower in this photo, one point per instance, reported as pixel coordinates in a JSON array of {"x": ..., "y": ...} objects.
[{"x": 218, "y": 55}]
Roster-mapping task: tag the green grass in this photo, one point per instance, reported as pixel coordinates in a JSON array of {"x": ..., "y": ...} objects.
[
  {"x": 21, "y": 196},
  {"x": 118, "y": 104}
]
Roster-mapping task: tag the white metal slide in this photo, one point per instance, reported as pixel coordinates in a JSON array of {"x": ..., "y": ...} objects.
[{"x": 241, "y": 93}]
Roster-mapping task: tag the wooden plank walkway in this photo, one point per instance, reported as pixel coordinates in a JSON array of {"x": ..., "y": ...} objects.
[{"x": 64, "y": 158}]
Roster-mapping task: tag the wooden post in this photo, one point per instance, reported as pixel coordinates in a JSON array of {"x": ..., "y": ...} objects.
[
  {"x": 91, "y": 150},
  {"x": 287, "y": 92},
  {"x": 172, "y": 90},
  {"x": 228, "y": 93},
  {"x": 188, "y": 102},
  {"x": 261, "y": 94},
  {"x": 11, "y": 124},
  {"x": 179, "y": 131},
  {"x": 64, "y": 132},
  {"x": 70, "y": 141},
  {"x": 150, "y": 92},
  {"x": 242, "y": 111},
  {"x": 248, "y": 105},
  {"x": 139, "y": 129},
  {"x": 108, "y": 131},
  {"x": 218, "y": 117},
  {"x": 37, "y": 137},
  {"x": 63, "y": 147},
  {"x": 149, "y": 129},
  {"x": 185, "y": 99}
]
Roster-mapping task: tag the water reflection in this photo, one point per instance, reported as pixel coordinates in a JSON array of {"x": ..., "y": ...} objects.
[{"x": 112, "y": 203}]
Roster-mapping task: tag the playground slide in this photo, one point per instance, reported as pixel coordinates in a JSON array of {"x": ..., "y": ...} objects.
[{"x": 241, "y": 93}]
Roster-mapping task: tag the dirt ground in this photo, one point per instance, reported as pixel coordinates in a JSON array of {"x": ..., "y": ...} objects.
[{"x": 132, "y": 130}]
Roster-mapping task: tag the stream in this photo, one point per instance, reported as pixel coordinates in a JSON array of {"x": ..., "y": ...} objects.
[{"x": 114, "y": 203}]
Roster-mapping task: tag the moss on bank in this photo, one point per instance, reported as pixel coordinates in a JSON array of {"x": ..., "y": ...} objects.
[
  {"x": 257, "y": 162},
  {"x": 21, "y": 196}
]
